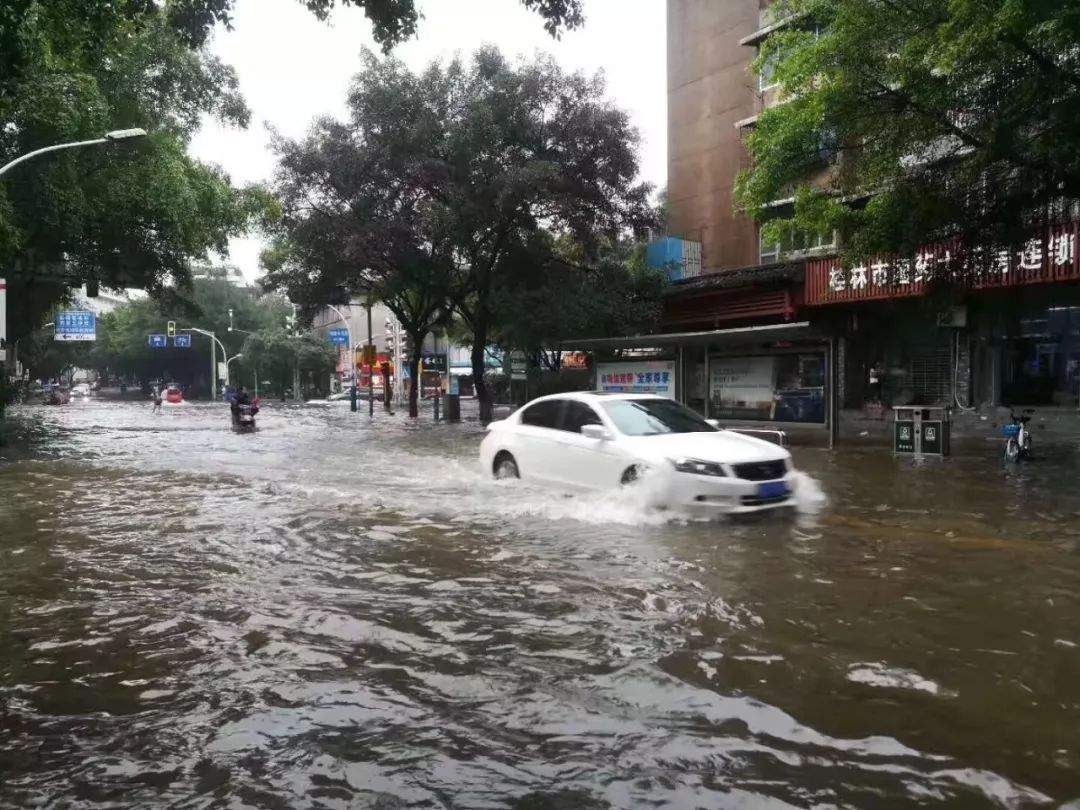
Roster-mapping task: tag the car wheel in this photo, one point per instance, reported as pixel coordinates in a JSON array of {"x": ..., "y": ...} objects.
[
  {"x": 505, "y": 466},
  {"x": 631, "y": 475}
]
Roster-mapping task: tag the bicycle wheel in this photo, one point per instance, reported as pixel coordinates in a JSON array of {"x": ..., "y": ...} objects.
[{"x": 1012, "y": 450}]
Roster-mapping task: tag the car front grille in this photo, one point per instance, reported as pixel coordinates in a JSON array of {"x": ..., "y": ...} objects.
[
  {"x": 753, "y": 500},
  {"x": 760, "y": 470}
]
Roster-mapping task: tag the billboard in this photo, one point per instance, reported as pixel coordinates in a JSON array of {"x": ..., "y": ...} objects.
[{"x": 637, "y": 377}]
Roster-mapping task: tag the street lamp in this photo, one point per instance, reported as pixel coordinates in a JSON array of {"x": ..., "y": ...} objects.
[
  {"x": 109, "y": 137},
  {"x": 214, "y": 343}
]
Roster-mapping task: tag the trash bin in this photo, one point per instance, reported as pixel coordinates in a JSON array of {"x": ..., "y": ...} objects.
[
  {"x": 922, "y": 431},
  {"x": 452, "y": 412}
]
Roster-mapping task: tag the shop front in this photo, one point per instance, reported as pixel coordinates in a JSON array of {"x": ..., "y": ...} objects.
[{"x": 936, "y": 331}]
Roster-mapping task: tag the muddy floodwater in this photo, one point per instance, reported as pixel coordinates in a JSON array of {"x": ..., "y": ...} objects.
[{"x": 330, "y": 614}]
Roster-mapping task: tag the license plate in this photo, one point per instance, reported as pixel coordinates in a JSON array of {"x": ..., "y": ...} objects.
[{"x": 773, "y": 489}]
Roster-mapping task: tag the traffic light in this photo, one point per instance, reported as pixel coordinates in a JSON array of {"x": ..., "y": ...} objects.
[{"x": 170, "y": 329}]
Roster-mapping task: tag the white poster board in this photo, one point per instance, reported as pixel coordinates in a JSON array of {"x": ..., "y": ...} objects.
[
  {"x": 743, "y": 381},
  {"x": 637, "y": 377}
]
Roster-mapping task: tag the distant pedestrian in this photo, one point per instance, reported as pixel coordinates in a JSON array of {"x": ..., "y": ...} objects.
[{"x": 157, "y": 400}]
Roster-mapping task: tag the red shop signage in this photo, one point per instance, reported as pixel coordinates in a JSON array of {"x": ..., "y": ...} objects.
[{"x": 1053, "y": 257}]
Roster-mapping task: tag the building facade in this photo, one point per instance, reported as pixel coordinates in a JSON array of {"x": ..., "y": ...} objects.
[{"x": 782, "y": 332}]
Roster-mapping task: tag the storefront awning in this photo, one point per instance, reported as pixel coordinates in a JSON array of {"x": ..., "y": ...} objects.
[{"x": 742, "y": 336}]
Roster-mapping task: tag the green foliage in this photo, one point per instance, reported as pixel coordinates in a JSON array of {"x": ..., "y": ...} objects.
[
  {"x": 442, "y": 186},
  {"x": 944, "y": 118},
  {"x": 122, "y": 345},
  {"x": 125, "y": 215},
  {"x": 275, "y": 353},
  {"x": 541, "y": 304}
]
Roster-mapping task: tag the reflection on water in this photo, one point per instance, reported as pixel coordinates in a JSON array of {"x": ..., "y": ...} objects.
[{"x": 326, "y": 614}]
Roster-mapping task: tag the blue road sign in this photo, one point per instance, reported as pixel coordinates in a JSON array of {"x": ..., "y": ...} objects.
[
  {"x": 158, "y": 341},
  {"x": 182, "y": 341},
  {"x": 76, "y": 325},
  {"x": 339, "y": 337}
]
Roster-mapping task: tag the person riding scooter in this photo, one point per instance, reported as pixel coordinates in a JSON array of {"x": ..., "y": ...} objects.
[{"x": 242, "y": 400}]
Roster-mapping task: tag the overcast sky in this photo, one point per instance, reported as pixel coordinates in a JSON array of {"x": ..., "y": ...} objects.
[{"x": 293, "y": 68}]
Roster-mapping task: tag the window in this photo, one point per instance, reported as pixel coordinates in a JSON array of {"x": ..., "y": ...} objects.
[
  {"x": 543, "y": 414},
  {"x": 652, "y": 417},
  {"x": 577, "y": 415}
]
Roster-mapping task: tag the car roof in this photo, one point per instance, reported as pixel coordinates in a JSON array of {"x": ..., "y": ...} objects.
[{"x": 587, "y": 396}]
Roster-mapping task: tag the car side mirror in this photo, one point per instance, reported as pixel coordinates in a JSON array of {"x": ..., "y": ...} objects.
[
  {"x": 595, "y": 432},
  {"x": 714, "y": 422}
]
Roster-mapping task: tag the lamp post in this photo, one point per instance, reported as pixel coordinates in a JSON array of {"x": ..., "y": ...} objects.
[
  {"x": 109, "y": 137},
  {"x": 214, "y": 343}
]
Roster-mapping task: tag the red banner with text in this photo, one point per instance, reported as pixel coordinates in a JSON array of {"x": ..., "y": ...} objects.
[{"x": 1043, "y": 260}]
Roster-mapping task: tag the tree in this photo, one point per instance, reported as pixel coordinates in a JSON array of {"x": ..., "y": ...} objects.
[
  {"x": 464, "y": 165},
  {"x": 131, "y": 215},
  {"x": 122, "y": 347},
  {"x": 276, "y": 354},
  {"x": 909, "y": 122},
  {"x": 542, "y": 304}
]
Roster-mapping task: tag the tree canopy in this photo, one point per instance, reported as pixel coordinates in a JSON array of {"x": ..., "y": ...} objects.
[
  {"x": 470, "y": 170},
  {"x": 126, "y": 215},
  {"x": 908, "y": 121},
  {"x": 131, "y": 215}
]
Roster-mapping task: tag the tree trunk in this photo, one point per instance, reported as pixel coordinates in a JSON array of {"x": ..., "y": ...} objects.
[
  {"x": 479, "y": 366},
  {"x": 414, "y": 376}
]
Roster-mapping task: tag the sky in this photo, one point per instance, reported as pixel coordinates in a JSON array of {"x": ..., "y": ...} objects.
[{"x": 293, "y": 68}]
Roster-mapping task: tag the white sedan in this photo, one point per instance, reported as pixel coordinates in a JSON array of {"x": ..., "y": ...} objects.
[{"x": 599, "y": 441}]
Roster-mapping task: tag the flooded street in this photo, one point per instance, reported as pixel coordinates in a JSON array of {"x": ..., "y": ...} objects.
[{"x": 326, "y": 614}]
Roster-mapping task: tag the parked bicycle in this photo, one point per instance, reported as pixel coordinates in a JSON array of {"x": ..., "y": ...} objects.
[{"x": 1017, "y": 436}]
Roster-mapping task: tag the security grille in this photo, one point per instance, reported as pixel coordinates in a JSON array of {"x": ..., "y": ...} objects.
[{"x": 931, "y": 374}]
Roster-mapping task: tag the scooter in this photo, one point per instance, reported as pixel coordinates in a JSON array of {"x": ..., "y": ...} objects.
[
  {"x": 243, "y": 418},
  {"x": 1017, "y": 436}
]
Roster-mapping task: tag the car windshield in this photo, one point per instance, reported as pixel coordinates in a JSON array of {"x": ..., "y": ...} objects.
[{"x": 651, "y": 417}]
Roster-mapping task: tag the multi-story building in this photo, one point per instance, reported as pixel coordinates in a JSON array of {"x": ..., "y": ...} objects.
[{"x": 783, "y": 332}]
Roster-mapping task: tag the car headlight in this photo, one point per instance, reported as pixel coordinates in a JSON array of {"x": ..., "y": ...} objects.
[{"x": 698, "y": 467}]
